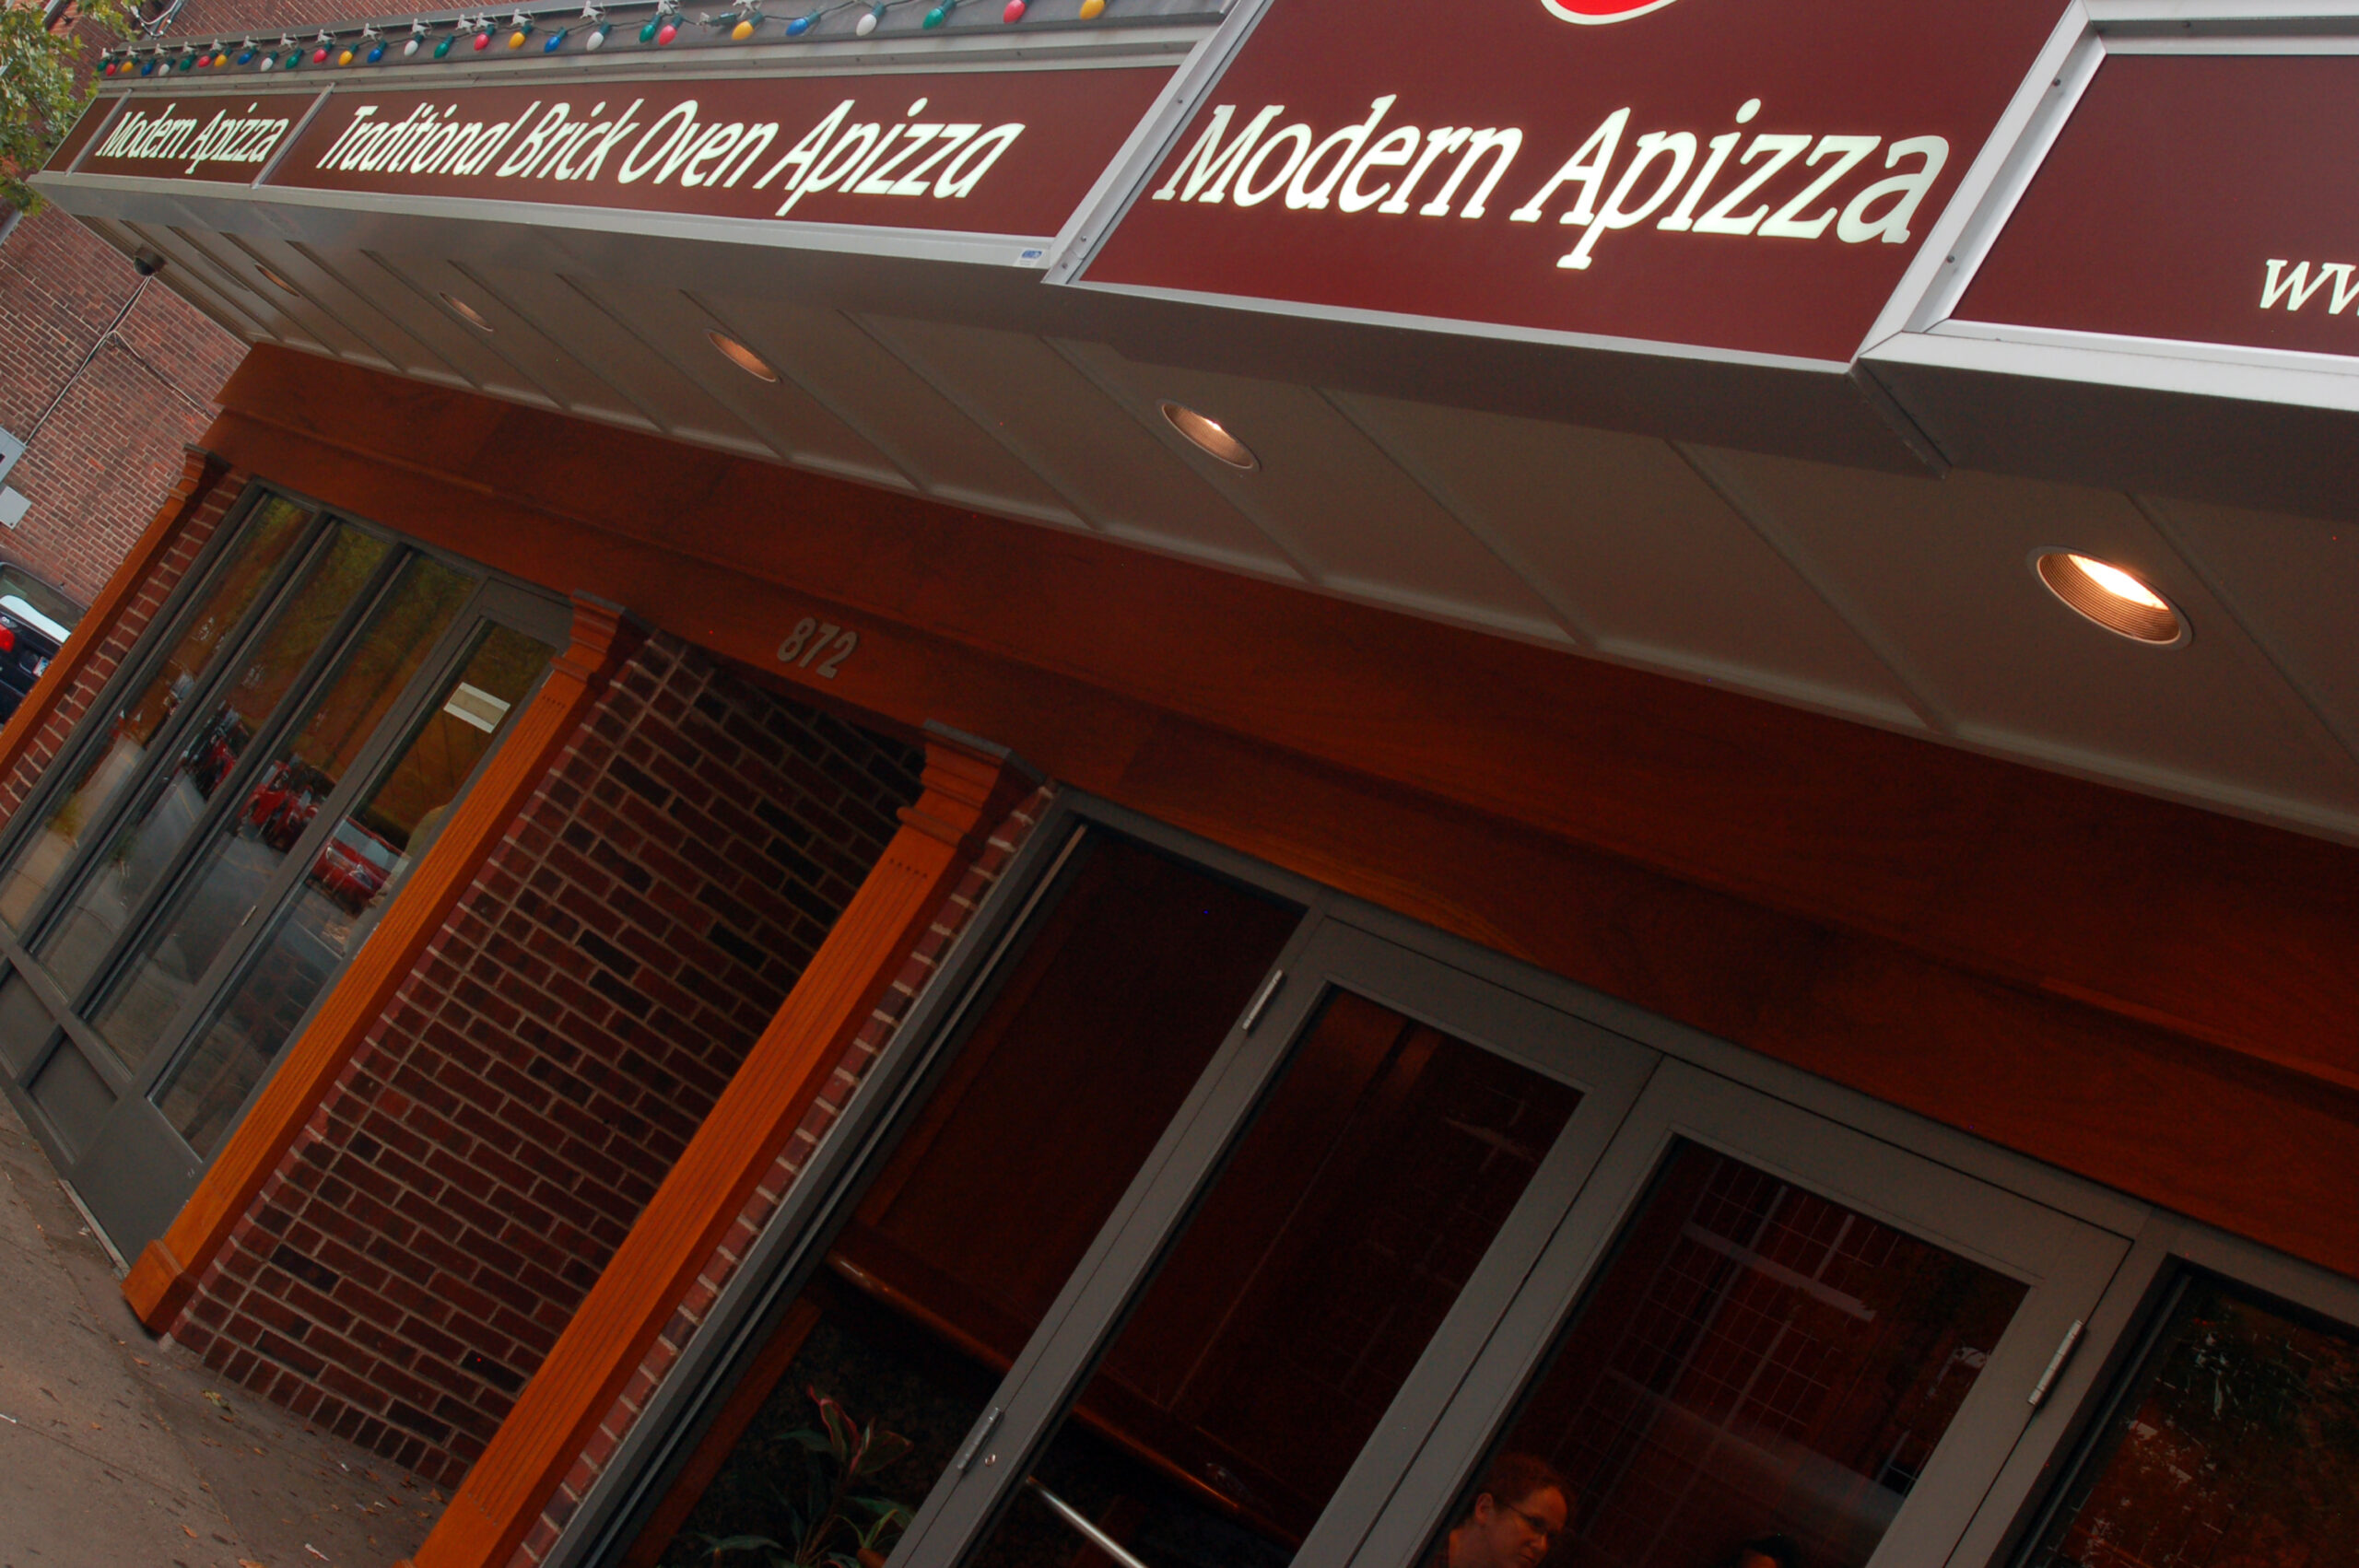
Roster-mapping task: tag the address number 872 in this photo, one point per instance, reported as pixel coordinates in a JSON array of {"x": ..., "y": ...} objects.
[{"x": 818, "y": 644}]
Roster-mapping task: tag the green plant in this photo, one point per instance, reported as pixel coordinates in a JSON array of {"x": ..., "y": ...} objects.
[
  {"x": 834, "y": 1522},
  {"x": 41, "y": 87}
]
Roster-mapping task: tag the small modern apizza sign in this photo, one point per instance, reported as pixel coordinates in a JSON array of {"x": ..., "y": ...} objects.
[
  {"x": 213, "y": 137},
  {"x": 1007, "y": 153},
  {"x": 1748, "y": 175}
]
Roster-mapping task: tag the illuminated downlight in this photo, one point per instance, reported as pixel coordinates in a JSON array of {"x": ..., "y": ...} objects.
[
  {"x": 1208, "y": 435},
  {"x": 745, "y": 358},
  {"x": 473, "y": 317},
  {"x": 2111, "y": 597},
  {"x": 277, "y": 282}
]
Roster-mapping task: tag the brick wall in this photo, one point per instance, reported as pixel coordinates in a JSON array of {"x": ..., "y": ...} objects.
[
  {"x": 434, "y": 1227},
  {"x": 200, "y": 518},
  {"x": 132, "y": 395},
  {"x": 948, "y": 924}
]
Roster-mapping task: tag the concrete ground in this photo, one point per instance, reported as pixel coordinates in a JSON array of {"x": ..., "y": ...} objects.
[{"x": 117, "y": 1451}]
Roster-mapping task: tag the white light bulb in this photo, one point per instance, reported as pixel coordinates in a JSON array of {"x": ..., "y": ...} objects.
[
  {"x": 2119, "y": 583},
  {"x": 866, "y": 25}
]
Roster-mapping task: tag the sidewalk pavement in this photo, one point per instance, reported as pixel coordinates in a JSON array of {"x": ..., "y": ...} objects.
[{"x": 117, "y": 1451}]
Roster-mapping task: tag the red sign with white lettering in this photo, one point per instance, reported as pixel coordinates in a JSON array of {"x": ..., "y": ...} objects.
[
  {"x": 1734, "y": 175},
  {"x": 978, "y": 152},
  {"x": 221, "y": 137},
  {"x": 2203, "y": 198},
  {"x": 93, "y": 120}
]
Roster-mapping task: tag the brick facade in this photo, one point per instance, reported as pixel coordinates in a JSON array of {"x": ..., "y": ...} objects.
[
  {"x": 432, "y": 1230},
  {"x": 945, "y": 928},
  {"x": 196, "y": 527},
  {"x": 105, "y": 380},
  {"x": 104, "y": 396}
]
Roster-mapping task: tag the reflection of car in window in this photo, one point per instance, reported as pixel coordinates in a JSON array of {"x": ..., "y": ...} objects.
[
  {"x": 355, "y": 866},
  {"x": 28, "y": 640},
  {"x": 285, "y": 802}
]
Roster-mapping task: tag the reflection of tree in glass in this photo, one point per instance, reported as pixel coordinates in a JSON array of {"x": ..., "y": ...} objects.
[
  {"x": 382, "y": 663},
  {"x": 409, "y": 802},
  {"x": 2241, "y": 1450},
  {"x": 272, "y": 530}
]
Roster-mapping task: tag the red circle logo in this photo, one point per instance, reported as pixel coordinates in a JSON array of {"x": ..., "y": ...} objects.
[{"x": 1594, "y": 13}]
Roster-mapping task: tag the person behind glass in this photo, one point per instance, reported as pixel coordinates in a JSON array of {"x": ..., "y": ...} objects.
[
  {"x": 1768, "y": 1551},
  {"x": 1522, "y": 1510}
]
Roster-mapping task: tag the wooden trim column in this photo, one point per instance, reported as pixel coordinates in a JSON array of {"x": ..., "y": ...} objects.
[
  {"x": 966, "y": 794},
  {"x": 200, "y": 471},
  {"x": 164, "y": 1278}
]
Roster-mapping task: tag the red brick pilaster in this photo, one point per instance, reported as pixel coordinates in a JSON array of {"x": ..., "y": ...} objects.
[{"x": 657, "y": 1269}]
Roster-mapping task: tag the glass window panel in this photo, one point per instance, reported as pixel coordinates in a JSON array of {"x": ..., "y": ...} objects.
[
  {"x": 145, "y": 847},
  {"x": 273, "y": 528},
  {"x": 335, "y": 906},
  {"x": 1755, "y": 1363},
  {"x": 964, "y": 1240},
  {"x": 1284, "y": 1319},
  {"x": 233, "y": 872},
  {"x": 2236, "y": 1446}
]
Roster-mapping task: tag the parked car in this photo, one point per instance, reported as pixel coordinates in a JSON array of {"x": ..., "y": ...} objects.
[{"x": 28, "y": 640}]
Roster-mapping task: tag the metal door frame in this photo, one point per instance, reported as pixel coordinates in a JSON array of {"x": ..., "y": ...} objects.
[
  {"x": 1331, "y": 955},
  {"x": 2068, "y": 1262}
]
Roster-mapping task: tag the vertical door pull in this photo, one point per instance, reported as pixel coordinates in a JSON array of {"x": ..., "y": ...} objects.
[
  {"x": 975, "y": 1440},
  {"x": 2055, "y": 1363},
  {"x": 1261, "y": 1000}
]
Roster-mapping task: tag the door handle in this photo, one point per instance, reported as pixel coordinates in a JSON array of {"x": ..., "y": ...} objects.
[{"x": 1083, "y": 1525}]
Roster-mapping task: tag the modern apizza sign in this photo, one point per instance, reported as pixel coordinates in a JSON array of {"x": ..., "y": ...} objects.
[
  {"x": 1734, "y": 175},
  {"x": 981, "y": 152},
  {"x": 213, "y": 136}
]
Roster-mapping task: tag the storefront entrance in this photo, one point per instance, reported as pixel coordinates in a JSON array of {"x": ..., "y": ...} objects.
[
  {"x": 215, "y": 848},
  {"x": 1217, "y": 1222}
]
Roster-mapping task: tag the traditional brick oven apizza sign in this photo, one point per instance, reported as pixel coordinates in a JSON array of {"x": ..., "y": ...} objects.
[
  {"x": 1729, "y": 175},
  {"x": 981, "y": 152},
  {"x": 2199, "y": 198}
]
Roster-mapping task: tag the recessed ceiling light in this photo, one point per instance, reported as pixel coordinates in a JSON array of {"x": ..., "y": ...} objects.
[
  {"x": 467, "y": 313},
  {"x": 277, "y": 282},
  {"x": 2115, "y": 598},
  {"x": 1208, "y": 435},
  {"x": 745, "y": 358}
]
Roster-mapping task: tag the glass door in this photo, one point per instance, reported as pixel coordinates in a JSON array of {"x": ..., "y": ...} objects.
[
  {"x": 226, "y": 841},
  {"x": 1331, "y": 1241},
  {"x": 1065, "y": 1315},
  {"x": 1760, "y": 1335}
]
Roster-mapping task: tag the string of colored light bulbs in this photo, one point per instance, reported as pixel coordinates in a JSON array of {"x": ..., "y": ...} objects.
[{"x": 482, "y": 33}]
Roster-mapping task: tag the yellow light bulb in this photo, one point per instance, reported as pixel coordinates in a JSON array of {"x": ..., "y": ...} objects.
[{"x": 2119, "y": 583}]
